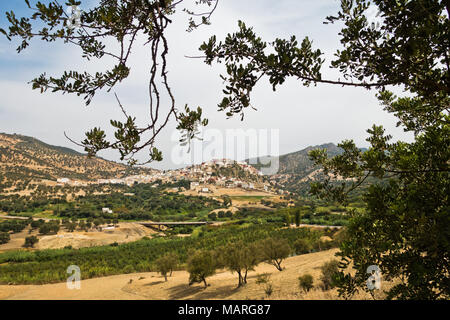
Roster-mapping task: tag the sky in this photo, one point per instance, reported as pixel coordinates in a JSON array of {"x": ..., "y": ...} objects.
[{"x": 290, "y": 119}]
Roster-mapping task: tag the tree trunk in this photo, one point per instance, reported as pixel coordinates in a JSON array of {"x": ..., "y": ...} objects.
[
  {"x": 240, "y": 279},
  {"x": 204, "y": 281},
  {"x": 165, "y": 277},
  {"x": 278, "y": 265}
]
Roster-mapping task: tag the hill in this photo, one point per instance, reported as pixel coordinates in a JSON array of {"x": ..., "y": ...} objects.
[
  {"x": 297, "y": 163},
  {"x": 25, "y": 160},
  {"x": 295, "y": 170}
]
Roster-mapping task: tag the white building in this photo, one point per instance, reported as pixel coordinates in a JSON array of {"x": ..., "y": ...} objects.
[{"x": 194, "y": 184}]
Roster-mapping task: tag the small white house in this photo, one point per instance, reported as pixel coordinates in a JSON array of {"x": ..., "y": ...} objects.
[
  {"x": 107, "y": 210},
  {"x": 194, "y": 184}
]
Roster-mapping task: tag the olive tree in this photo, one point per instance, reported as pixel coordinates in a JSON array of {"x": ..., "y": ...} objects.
[{"x": 274, "y": 251}]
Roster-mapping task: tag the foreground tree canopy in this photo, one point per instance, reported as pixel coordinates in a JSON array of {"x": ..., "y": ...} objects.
[
  {"x": 110, "y": 30},
  {"x": 405, "y": 230}
]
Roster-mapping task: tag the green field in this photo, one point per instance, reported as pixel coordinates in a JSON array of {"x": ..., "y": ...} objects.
[{"x": 47, "y": 266}]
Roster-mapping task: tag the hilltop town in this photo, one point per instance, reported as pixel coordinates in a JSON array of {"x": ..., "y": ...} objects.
[{"x": 223, "y": 173}]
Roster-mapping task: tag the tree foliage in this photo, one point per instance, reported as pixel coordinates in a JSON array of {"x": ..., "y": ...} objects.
[
  {"x": 30, "y": 241},
  {"x": 201, "y": 265},
  {"x": 274, "y": 251},
  {"x": 240, "y": 258},
  {"x": 405, "y": 227},
  {"x": 110, "y": 31},
  {"x": 306, "y": 282},
  {"x": 330, "y": 274},
  {"x": 4, "y": 237},
  {"x": 166, "y": 264}
]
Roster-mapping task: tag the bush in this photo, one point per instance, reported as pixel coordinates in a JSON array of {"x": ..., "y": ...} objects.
[
  {"x": 302, "y": 246},
  {"x": 4, "y": 237},
  {"x": 49, "y": 227},
  {"x": 128, "y": 269},
  {"x": 306, "y": 282},
  {"x": 212, "y": 216},
  {"x": 330, "y": 271},
  {"x": 262, "y": 278},
  {"x": 35, "y": 224},
  {"x": 268, "y": 289},
  {"x": 30, "y": 241}
]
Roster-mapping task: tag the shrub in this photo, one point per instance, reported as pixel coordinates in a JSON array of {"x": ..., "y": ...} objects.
[
  {"x": 262, "y": 278},
  {"x": 306, "y": 282},
  {"x": 268, "y": 289},
  {"x": 4, "y": 237},
  {"x": 212, "y": 216},
  {"x": 302, "y": 246},
  {"x": 49, "y": 227},
  {"x": 128, "y": 269},
  {"x": 166, "y": 264},
  {"x": 30, "y": 241},
  {"x": 330, "y": 271}
]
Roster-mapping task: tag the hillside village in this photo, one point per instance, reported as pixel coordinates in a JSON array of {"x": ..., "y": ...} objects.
[{"x": 201, "y": 177}]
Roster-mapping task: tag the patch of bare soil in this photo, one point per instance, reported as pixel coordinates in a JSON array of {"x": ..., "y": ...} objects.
[
  {"x": 124, "y": 232},
  {"x": 17, "y": 240}
]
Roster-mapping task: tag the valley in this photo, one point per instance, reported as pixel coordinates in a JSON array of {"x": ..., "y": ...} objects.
[{"x": 91, "y": 217}]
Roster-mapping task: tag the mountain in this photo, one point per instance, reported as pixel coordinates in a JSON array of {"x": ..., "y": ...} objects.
[
  {"x": 295, "y": 170},
  {"x": 25, "y": 159},
  {"x": 297, "y": 163}
]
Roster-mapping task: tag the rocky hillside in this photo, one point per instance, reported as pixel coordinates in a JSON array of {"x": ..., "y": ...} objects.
[
  {"x": 25, "y": 159},
  {"x": 298, "y": 162},
  {"x": 295, "y": 170}
]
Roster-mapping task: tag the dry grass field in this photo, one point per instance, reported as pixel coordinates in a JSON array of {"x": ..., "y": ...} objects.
[
  {"x": 240, "y": 197},
  {"x": 124, "y": 232}
]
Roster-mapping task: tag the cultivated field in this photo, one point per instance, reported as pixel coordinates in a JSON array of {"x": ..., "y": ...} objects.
[{"x": 223, "y": 285}]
